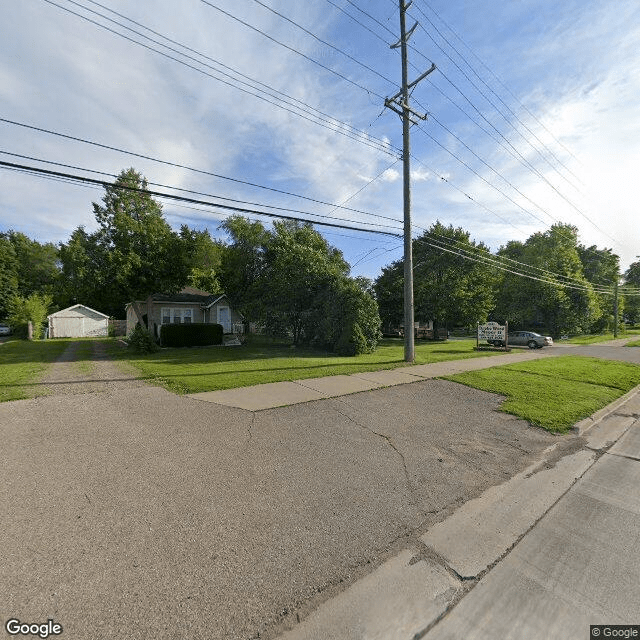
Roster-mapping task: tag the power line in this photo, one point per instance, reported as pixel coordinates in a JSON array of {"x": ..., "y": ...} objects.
[
  {"x": 501, "y": 83},
  {"x": 292, "y": 49},
  {"x": 324, "y": 42},
  {"x": 483, "y": 94},
  {"x": 489, "y": 260},
  {"x": 502, "y": 268},
  {"x": 170, "y": 196},
  {"x": 511, "y": 149},
  {"x": 302, "y": 109},
  {"x": 209, "y": 195},
  {"x": 178, "y": 165}
]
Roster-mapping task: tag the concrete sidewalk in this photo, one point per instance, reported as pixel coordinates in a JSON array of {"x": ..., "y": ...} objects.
[
  {"x": 545, "y": 555},
  {"x": 280, "y": 394}
]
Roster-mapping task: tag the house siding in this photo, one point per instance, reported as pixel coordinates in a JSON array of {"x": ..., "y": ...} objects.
[{"x": 209, "y": 315}]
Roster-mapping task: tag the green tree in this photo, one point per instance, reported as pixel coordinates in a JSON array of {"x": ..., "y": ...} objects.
[
  {"x": 632, "y": 298},
  {"x": 557, "y": 293},
  {"x": 84, "y": 264},
  {"x": 298, "y": 285},
  {"x": 37, "y": 264},
  {"x": 601, "y": 267},
  {"x": 204, "y": 256},
  {"x": 8, "y": 275},
  {"x": 450, "y": 287},
  {"x": 34, "y": 309},
  {"x": 133, "y": 254}
]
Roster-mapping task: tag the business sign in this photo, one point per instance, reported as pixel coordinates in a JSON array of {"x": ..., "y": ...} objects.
[{"x": 492, "y": 331}]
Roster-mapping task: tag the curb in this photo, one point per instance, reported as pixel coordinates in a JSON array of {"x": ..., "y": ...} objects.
[{"x": 591, "y": 421}]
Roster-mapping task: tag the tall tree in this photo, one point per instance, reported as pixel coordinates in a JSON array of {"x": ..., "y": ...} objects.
[
  {"x": 204, "y": 255},
  {"x": 294, "y": 282},
  {"x": 450, "y": 287},
  {"x": 37, "y": 264},
  {"x": 558, "y": 294},
  {"x": 632, "y": 299},
  {"x": 8, "y": 275},
  {"x": 601, "y": 267},
  {"x": 134, "y": 252}
]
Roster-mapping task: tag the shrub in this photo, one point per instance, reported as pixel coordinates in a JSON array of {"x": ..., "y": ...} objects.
[
  {"x": 34, "y": 309},
  {"x": 141, "y": 340},
  {"x": 352, "y": 341},
  {"x": 190, "y": 335}
]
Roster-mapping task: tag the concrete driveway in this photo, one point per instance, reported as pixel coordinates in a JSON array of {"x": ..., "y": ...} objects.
[{"x": 135, "y": 513}]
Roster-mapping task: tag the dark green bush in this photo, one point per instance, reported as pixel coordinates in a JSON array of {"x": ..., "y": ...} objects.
[
  {"x": 141, "y": 340},
  {"x": 190, "y": 335}
]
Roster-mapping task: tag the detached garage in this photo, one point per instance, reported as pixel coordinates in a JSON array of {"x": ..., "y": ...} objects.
[{"x": 78, "y": 322}]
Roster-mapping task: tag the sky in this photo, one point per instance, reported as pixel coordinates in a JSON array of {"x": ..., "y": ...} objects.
[{"x": 533, "y": 114}]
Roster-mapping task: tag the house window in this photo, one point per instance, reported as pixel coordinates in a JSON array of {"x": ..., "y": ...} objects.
[{"x": 177, "y": 316}]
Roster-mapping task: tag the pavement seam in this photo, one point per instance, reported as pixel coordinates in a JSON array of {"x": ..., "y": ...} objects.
[
  {"x": 474, "y": 580},
  {"x": 622, "y": 455}
]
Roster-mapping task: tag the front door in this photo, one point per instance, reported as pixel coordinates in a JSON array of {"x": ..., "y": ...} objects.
[{"x": 224, "y": 318}]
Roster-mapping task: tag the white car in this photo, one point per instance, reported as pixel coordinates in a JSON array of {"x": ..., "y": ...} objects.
[{"x": 5, "y": 330}]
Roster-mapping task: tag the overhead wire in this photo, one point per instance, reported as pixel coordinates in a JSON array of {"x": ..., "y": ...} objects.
[
  {"x": 285, "y": 18},
  {"x": 139, "y": 24},
  {"x": 171, "y": 196},
  {"x": 497, "y": 79},
  {"x": 292, "y": 49},
  {"x": 179, "y": 165},
  {"x": 487, "y": 98},
  {"x": 489, "y": 260},
  {"x": 290, "y": 104}
]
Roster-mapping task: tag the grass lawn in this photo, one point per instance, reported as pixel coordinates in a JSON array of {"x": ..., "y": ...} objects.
[
  {"x": 555, "y": 393},
  {"x": 603, "y": 337},
  {"x": 23, "y": 363},
  {"x": 261, "y": 360},
  {"x": 634, "y": 343}
]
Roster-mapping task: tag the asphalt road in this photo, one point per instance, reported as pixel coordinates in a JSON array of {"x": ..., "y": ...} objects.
[{"x": 135, "y": 513}]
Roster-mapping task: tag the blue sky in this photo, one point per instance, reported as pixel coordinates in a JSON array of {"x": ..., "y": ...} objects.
[{"x": 573, "y": 65}]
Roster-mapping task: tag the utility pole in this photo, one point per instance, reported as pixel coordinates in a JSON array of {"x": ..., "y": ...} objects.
[
  {"x": 615, "y": 309},
  {"x": 400, "y": 104}
]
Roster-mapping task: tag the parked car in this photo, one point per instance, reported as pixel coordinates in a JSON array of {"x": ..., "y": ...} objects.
[
  {"x": 525, "y": 339},
  {"x": 5, "y": 330}
]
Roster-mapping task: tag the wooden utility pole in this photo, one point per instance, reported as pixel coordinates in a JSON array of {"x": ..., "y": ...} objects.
[
  {"x": 615, "y": 309},
  {"x": 400, "y": 104}
]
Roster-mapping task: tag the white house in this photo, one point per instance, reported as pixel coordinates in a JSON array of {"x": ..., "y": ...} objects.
[
  {"x": 78, "y": 321},
  {"x": 187, "y": 306}
]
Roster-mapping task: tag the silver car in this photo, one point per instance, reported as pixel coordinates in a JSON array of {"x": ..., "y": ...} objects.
[
  {"x": 529, "y": 339},
  {"x": 5, "y": 330}
]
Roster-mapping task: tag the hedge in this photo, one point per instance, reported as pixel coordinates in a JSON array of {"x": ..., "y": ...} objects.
[{"x": 190, "y": 335}]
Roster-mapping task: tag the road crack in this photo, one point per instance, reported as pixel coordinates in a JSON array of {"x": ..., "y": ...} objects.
[{"x": 390, "y": 443}]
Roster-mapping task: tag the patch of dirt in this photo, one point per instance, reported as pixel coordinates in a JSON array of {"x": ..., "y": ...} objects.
[{"x": 71, "y": 374}]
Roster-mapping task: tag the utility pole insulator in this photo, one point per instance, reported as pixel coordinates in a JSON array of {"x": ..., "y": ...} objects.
[{"x": 399, "y": 104}]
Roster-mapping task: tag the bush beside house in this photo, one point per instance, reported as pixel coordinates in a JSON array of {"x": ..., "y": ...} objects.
[{"x": 190, "y": 335}]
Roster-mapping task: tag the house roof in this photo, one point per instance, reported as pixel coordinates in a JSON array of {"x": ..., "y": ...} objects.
[
  {"x": 188, "y": 294},
  {"x": 78, "y": 306}
]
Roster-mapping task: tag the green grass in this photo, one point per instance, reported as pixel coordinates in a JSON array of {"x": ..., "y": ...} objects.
[
  {"x": 262, "y": 360},
  {"x": 555, "y": 393},
  {"x": 603, "y": 337},
  {"x": 23, "y": 364},
  {"x": 633, "y": 343}
]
